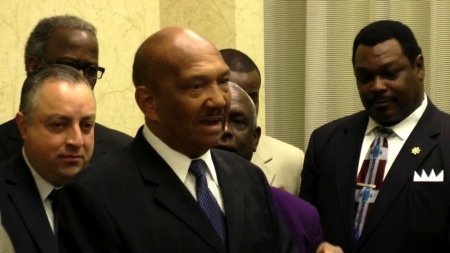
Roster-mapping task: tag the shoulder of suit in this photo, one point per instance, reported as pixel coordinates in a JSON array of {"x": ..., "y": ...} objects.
[
  {"x": 329, "y": 129},
  {"x": 236, "y": 163},
  {"x": 276, "y": 144},
  {"x": 7, "y": 128},
  {"x": 112, "y": 135}
]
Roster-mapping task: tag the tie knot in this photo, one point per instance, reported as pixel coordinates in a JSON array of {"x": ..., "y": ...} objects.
[
  {"x": 197, "y": 168},
  {"x": 384, "y": 131},
  {"x": 54, "y": 195}
]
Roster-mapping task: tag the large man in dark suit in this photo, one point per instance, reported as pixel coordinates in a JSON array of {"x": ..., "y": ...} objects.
[
  {"x": 167, "y": 191},
  {"x": 55, "y": 119},
  {"x": 71, "y": 41},
  {"x": 386, "y": 192}
]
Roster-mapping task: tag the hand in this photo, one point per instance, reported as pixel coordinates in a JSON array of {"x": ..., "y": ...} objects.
[{"x": 328, "y": 248}]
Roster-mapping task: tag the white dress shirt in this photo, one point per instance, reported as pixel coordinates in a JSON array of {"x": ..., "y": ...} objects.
[
  {"x": 401, "y": 132},
  {"x": 44, "y": 188},
  {"x": 180, "y": 165}
]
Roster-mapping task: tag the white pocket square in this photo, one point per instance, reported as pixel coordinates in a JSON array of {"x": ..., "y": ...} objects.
[{"x": 432, "y": 178}]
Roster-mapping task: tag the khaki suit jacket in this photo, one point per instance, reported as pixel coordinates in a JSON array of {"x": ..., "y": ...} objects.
[
  {"x": 5, "y": 243},
  {"x": 282, "y": 163}
]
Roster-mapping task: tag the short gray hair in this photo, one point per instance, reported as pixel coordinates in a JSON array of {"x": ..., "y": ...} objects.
[
  {"x": 37, "y": 41},
  {"x": 33, "y": 83},
  {"x": 237, "y": 87}
]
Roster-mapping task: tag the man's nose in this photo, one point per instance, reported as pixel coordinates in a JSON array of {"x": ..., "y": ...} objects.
[
  {"x": 75, "y": 137},
  {"x": 217, "y": 97}
]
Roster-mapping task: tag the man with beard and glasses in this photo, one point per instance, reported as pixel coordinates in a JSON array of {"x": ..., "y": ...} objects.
[
  {"x": 169, "y": 191},
  {"x": 380, "y": 178},
  {"x": 71, "y": 41}
]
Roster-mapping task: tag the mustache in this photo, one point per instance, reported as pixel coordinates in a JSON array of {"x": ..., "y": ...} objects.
[{"x": 215, "y": 112}]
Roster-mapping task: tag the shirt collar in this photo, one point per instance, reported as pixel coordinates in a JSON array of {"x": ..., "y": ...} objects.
[
  {"x": 404, "y": 128},
  {"x": 177, "y": 161},
  {"x": 44, "y": 187}
]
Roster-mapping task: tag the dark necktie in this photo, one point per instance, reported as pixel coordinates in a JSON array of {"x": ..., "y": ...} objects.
[
  {"x": 54, "y": 197},
  {"x": 370, "y": 178},
  {"x": 206, "y": 199}
]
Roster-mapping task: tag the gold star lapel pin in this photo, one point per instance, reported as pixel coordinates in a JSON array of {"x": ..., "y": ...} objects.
[{"x": 415, "y": 150}]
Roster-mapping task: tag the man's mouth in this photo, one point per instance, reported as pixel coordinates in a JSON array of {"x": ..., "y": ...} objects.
[{"x": 212, "y": 121}]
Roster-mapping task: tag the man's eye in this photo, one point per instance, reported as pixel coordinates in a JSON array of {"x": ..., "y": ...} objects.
[
  {"x": 364, "y": 78},
  {"x": 224, "y": 81},
  {"x": 238, "y": 121},
  {"x": 390, "y": 75},
  {"x": 87, "y": 125},
  {"x": 57, "y": 124}
]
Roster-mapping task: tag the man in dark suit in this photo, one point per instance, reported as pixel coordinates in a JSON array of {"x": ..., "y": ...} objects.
[
  {"x": 380, "y": 178},
  {"x": 56, "y": 120},
  {"x": 70, "y": 41},
  {"x": 167, "y": 191}
]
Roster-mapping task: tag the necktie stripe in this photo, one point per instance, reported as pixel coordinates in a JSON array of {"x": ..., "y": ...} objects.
[{"x": 371, "y": 174}]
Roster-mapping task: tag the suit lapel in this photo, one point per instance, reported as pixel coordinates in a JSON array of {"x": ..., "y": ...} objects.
[
  {"x": 347, "y": 158},
  {"x": 24, "y": 195},
  {"x": 403, "y": 168},
  {"x": 268, "y": 171},
  {"x": 171, "y": 192},
  {"x": 233, "y": 202}
]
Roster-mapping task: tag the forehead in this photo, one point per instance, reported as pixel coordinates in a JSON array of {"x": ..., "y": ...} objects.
[
  {"x": 201, "y": 64},
  {"x": 383, "y": 53},
  {"x": 73, "y": 43},
  {"x": 58, "y": 96},
  {"x": 240, "y": 101},
  {"x": 249, "y": 81}
]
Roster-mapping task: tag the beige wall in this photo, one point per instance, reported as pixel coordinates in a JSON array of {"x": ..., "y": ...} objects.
[{"x": 122, "y": 26}]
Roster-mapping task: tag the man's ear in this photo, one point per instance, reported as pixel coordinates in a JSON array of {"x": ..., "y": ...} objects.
[
  {"x": 32, "y": 64},
  {"x": 256, "y": 136},
  {"x": 22, "y": 124},
  {"x": 145, "y": 98},
  {"x": 420, "y": 67}
]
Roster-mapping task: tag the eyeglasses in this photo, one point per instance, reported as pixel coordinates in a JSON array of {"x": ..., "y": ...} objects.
[{"x": 90, "y": 71}]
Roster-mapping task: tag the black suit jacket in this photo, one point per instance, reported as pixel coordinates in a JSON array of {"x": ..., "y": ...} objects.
[
  {"x": 22, "y": 211},
  {"x": 106, "y": 141},
  {"x": 134, "y": 202},
  {"x": 407, "y": 216}
]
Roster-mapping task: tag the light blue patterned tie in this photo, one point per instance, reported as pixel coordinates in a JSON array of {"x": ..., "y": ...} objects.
[{"x": 206, "y": 199}]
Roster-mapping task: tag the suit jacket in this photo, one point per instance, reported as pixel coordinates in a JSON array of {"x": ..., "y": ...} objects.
[
  {"x": 106, "y": 141},
  {"x": 5, "y": 243},
  {"x": 282, "y": 163},
  {"x": 301, "y": 219},
  {"x": 407, "y": 216},
  {"x": 134, "y": 202},
  {"x": 22, "y": 211}
]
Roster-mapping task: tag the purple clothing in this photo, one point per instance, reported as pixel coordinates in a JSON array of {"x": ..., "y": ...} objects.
[{"x": 301, "y": 219}]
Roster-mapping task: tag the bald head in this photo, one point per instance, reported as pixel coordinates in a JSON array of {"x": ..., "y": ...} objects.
[
  {"x": 182, "y": 88},
  {"x": 240, "y": 98},
  {"x": 165, "y": 52}
]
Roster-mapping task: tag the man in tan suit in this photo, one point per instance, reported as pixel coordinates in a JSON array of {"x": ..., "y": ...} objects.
[
  {"x": 5, "y": 243},
  {"x": 282, "y": 163}
]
